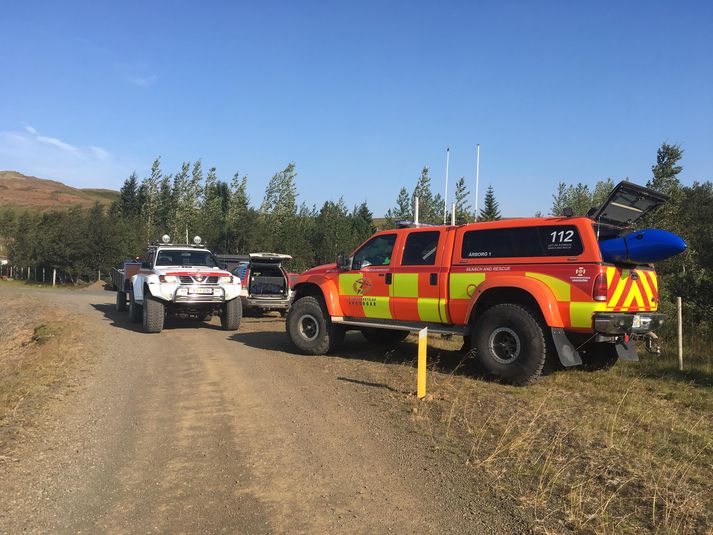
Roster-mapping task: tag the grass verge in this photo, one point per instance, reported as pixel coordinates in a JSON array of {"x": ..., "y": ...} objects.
[
  {"x": 39, "y": 350},
  {"x": 628, "y": 450}
]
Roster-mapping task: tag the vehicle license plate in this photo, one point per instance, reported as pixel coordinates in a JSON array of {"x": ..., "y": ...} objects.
[{"x": 208, "y": 291}]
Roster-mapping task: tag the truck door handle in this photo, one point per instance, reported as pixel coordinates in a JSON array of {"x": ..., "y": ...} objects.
[
  {"x": 433, "y": 279},
  {"x": 387, "y": 278}
]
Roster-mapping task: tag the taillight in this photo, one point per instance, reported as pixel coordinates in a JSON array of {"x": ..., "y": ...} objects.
[{"x": 600, "y": 288}]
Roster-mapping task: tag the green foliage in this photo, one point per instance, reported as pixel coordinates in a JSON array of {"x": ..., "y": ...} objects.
[
  {"x": 490, "y": 210},
  {"x": 579, "y": 197}
]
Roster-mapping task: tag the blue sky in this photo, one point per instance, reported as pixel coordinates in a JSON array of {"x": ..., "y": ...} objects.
[{"x": 360, "y": 95}]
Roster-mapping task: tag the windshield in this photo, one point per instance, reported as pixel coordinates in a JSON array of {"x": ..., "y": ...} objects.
[{"x": 185, "y": 258}]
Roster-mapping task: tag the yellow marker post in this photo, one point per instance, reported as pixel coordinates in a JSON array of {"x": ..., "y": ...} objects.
[{"x": 422, "y": 345}]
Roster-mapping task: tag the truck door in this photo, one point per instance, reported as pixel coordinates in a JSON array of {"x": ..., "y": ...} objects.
[
  {"x": 364, "y": 291},
  {"x": 417, "y": 285}
]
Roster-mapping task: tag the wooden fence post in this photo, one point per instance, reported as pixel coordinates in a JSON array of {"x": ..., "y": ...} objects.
[
  {"x": 679, "y": 314},
  {"x": 54, "y": 277}
]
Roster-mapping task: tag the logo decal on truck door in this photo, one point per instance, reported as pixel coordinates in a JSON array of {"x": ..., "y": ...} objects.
[{"x": 362, "y": 286}]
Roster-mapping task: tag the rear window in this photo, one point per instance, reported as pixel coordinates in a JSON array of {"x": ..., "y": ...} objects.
[{"x": 558, "y": 240}]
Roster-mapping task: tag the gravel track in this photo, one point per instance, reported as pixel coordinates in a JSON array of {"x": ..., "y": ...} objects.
[{"x": 200, "y": 430}]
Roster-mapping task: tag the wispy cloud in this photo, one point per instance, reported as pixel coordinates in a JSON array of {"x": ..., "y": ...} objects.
[
  {"x": 100, "y": 153},
  {"x": 137, "y": 74},
  {"x": 28, "y": 152},
  {"x": 57, "y": 143},
  {"x": 143, "y": 81}
]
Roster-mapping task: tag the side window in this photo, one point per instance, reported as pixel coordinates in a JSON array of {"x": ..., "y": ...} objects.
[
  {"x": 420, "y": 249},
  {"x": 556, "y": 240},
  {"x": 375, "y": 252}
]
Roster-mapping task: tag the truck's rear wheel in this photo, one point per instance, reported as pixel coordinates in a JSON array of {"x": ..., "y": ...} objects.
[
  {"x": 120, "y": 301},
  {"x": 310, "y": 328},
  {"x": 231, "y": 315},
  {"x": 134, "y": 309},
  {"x": 599, "y": 356},
  {"x": 384, "y": 336},
  {"x": 510, "y": 344},
  {"x": 153, "y": 315}
]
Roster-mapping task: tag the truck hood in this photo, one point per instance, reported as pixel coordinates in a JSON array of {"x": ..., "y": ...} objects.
[
  {"x": 199, "y": 270},
  {"x": 320, "y": 270}
]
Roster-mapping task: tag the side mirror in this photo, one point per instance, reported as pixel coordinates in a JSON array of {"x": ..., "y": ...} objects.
[
  {"x": 343, "y": 262},
  {"x": 145, "y": 264},
  {"x": 223, "y": 266}
]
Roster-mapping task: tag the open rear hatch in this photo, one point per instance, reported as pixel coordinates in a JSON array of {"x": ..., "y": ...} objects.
[
  {"x": 626, "y": 204},
  {"x": 267, "y": 277}
]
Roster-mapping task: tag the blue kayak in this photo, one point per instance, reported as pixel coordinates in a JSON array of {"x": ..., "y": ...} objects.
[{"x": 642, "y": 247}]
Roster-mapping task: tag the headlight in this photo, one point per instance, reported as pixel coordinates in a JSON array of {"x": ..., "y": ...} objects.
[
  {"x": 171, "y": 279},
  {"x": 225, "y": 280}
]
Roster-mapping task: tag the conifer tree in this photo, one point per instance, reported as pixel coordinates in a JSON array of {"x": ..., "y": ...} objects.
[
  {"x": 463, "y": 209},
  {"x": 490, "y": 210}
]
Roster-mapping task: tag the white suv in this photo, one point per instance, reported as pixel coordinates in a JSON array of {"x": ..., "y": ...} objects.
[{"x": 184, "y": 281}]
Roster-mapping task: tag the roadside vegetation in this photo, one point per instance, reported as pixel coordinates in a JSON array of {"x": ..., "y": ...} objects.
[
  {"x": 628, "y": 450},
  {"x": 39, "y": 352}
]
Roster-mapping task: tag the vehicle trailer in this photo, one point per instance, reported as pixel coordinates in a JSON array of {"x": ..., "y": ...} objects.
[
  {"x": 121, "y": 281},
  {"x": 519, "y": 291},
  {"x": 178, "y": 280}
]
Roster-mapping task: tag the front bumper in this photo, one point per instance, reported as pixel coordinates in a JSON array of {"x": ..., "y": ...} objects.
[
  {"x": 195, "y": 294},
  {"x": 614, "y": 323}
]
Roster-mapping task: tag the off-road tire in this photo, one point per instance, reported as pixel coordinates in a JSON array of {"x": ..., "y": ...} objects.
[
  {"x": 384, "y": 336},
  {"x": 135, "y": 311},
  {"x": 153, "y": 315},
  {"x": 310, "y": 329},
  {"x": 510, "y": 344},
  {"x": 121, "y": 301},
  {"x": 598, "y": 356},
  {"x": 231, "y": 315}
]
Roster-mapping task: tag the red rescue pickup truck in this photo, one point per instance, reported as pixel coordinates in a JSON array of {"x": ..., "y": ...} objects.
[{"x": 519, "y": 291}]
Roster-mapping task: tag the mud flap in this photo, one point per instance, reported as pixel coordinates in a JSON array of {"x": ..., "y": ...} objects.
[
  {"x": 627, "y": 350},
  {"x": 568, "y": 354}
]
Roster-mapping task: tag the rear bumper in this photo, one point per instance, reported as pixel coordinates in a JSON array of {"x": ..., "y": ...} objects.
[
  {"x": 266, "y": 302},
  {"x": 627, "y": 323}
]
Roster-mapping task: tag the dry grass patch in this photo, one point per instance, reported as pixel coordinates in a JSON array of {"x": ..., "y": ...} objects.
[
  {"x": 39, "y": 349},
  {"x": 623, "y": 451}
]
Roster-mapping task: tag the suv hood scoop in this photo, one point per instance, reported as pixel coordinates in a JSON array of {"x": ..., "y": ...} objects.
[{"x": 626, "y": 204}]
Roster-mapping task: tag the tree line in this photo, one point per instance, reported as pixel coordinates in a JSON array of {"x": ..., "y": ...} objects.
[{"x": 78, "y": 242}]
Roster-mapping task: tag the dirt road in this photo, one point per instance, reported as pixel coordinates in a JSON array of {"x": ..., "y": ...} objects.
[{"x": 199, "y": 430}]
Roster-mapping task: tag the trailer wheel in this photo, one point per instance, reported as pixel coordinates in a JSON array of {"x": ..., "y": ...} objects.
[
  {"x": 153, "y": 315},
  {"x": 599, "y": 356},
  {"x": 310, "y": 328},
  {"x": 134, "y": 309},
  {"x": 231, "y": 315},
  {"x": 120, "y": 301},
  {"x": 510, "y": 344},
  {"x": 384, "y": 336}
]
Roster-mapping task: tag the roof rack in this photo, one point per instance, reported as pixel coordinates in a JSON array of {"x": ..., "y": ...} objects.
[{"x": 411, "y": 224}]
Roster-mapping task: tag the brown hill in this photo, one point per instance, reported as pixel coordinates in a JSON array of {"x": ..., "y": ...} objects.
[{"x": 19, "y": 191}]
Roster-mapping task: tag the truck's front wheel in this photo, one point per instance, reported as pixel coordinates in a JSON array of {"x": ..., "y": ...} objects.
[
  {"x": 510, "y": 344},
  {"x": 310, "y": 329},
  {"x": 232, "y": 314},
  {"x": 153, "y": 315}
]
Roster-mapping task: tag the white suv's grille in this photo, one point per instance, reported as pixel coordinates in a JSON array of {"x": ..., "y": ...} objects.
[{"x": 188, "y": 279}]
